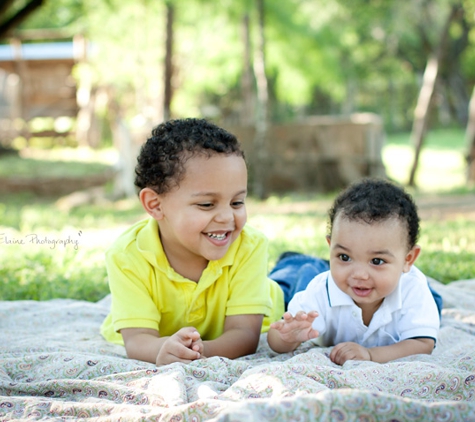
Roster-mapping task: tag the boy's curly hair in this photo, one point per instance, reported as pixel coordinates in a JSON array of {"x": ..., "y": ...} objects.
[
  {"x": 161, "y": 162},
  {"x": 375, "y": 200}
]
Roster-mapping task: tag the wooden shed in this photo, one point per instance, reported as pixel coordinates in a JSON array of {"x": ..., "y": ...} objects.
[{"x": 36, "y": 80}]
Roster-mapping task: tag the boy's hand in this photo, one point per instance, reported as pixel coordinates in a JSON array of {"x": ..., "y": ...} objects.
[
  {"x": 296, "y": 329},
  {"x": 349, "y": 351},
  {"x": 183, "y": 346}
]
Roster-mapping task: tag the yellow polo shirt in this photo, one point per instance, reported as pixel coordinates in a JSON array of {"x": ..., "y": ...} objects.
[{"x": 147, "y": 293}]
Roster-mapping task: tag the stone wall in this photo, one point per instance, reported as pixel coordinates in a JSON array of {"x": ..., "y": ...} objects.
[{"x": 319, "y": 154}]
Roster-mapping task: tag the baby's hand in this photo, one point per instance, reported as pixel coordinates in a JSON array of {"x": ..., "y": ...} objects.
[
  {"x": 349, "y": 351},
  {"x": 296, "y": 329},
  {"x": 183, "y": 346}
]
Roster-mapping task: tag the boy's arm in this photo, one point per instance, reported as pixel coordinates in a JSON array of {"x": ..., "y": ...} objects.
[
  {"x": 146, "y": 345},
  {"x": 240, "y": 337},
  {"x": 382, "y": 354}
]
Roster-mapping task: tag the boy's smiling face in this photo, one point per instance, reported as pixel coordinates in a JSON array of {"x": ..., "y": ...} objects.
[
  {"x": 367, "y": 260},
  {"x": 201, "y": 217}
]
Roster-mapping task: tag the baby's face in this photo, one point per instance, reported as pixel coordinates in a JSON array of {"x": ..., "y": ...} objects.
[
  {"x": 367, "y": 260},
  {"x": 202, "y": 217}
]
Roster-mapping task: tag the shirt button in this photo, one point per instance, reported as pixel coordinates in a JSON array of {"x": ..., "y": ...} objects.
[{"x": 354, "y": 314}]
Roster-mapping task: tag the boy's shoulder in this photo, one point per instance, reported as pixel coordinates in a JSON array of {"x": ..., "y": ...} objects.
[
  {"x": 414, "y": 275},
  {"x": 251, "y": 242},
  {"x": 253, "y": 233},
  {"x": 146, "y": 230},
  {"x": 413, "y": 283}
]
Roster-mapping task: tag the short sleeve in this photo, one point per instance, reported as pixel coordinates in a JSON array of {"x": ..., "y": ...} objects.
[
  {"x": 419, "y": 316},
  {"x": 132, "y": 303},
  {"x": 250, "y": 289}
]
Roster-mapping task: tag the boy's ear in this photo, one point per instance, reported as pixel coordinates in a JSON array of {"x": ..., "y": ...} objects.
[
  {"x": 329, "y": 239},
  {"x": 411, "y": 257},
  {"x": 151, "y": 202}
]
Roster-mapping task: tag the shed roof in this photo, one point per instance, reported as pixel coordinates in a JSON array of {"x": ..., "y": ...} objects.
[{"x": 39, "y": 51}]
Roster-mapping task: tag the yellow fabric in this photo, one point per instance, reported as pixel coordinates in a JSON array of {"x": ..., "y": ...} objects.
[{"x": 148, "y": 293}]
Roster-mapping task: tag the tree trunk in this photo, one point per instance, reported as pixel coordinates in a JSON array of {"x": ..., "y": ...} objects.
[
  {"x": 470, "y": 137},
  {"x": 168, "y": 89},
  {"x": 421, "y": 113},
  {"x": 260, "y": 148},
  {"x": 426, "y": 94},
  {"x": 122, "y": 139},
  {"x": 247, "y": 110}
]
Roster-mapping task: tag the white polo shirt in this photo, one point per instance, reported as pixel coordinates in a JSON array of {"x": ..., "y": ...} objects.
[{"x": 408, "y": 312}]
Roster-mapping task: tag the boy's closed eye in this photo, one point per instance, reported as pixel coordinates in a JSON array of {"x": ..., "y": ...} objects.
[{"x": 206, "y": 205}]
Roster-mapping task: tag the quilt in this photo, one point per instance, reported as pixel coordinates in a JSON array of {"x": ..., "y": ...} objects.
[{"x": 54, "y": 365}]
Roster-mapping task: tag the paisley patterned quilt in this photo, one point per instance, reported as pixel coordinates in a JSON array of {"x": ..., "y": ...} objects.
[{"x": 54, "y": 365}]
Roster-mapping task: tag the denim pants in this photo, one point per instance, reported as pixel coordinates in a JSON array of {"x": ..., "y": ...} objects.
[{"x": 294, "y": 271}]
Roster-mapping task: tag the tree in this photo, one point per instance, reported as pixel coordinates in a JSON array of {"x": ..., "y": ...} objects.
[
  {"x": 262, "y": 120},
  {"x": 470, "y": 137},
  {"x": 12, "y": 14},
  {"x": 168, "y": 66},
  {"x": 426, "y": 94}
]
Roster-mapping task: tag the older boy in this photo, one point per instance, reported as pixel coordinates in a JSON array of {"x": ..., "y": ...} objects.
[{"x": 191, "y": 281}]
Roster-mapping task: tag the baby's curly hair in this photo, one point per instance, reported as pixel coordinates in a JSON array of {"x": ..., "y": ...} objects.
[
  {"x": 376, "y": 200},
  {"x": 161, "y": 162}
]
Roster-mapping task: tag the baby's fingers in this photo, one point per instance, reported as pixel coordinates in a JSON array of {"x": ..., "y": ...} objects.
[
  {"x": 313, "y": 334},
  {"x": 277, "y": 325}
]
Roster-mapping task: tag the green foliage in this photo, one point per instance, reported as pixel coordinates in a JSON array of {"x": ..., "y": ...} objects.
[
  {"x": 323, "y": 57},
  {"x": 56, "y": 14}
]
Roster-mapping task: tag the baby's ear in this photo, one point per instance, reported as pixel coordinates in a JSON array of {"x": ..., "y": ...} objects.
[
  {"x": 151, "y": 202},
  {"x": 329, "y": 239},
  {"x": 411, "y": 257}
]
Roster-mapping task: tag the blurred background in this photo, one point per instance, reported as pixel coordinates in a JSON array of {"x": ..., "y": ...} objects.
[
  {"x": 83, "y": 73},
  {"x": 320, "y": 93}
]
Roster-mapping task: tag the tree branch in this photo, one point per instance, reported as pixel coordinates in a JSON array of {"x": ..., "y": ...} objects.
[{"x": 19, "y": 17}]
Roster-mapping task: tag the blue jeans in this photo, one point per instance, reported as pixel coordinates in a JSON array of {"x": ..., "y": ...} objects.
[{"x": 294, "y": 271}]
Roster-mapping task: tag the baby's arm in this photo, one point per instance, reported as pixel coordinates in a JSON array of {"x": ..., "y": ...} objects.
[
  {"x": 146, "y": 344},
  {"x": 353, "y": 351},
  {"x": 288, "y": 333},
  {"x": 240, "y": 337}
]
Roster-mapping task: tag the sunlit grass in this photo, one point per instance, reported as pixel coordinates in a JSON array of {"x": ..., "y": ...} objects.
[{"x": 441, "y": 162}]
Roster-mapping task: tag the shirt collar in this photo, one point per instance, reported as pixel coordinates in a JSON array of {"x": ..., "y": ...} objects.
[{"x": 150, "y": 246}]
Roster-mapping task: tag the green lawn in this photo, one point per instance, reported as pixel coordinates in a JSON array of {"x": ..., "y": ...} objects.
[
  {"x": 441, "y": 165},
  {"x": 46, "y": 252}
]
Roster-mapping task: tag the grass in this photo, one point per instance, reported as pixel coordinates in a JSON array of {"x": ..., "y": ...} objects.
[
  {"x": 48, "y": 253},
  {"x": 441, "y": 166}
]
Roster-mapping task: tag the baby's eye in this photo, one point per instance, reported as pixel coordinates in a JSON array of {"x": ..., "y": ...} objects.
[
  {"x": 344, "y": 257},
  {"x": 237, "y": 204},
  {"x": 377, "y": 261},
  {"x": 205, "y": 205}
]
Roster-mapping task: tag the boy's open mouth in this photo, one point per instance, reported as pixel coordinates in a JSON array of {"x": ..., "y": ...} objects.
[{"x": 217, "y": 236}]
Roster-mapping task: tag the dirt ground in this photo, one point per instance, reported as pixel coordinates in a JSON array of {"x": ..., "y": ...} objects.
[
  {"x": 447, "y": 207},
  {"x": 430, "y": 207}
]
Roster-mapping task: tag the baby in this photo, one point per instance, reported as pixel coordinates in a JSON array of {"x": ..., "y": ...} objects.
[{"x": 373, "y": 304}]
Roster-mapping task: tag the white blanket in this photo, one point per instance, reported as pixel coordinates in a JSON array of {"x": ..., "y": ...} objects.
[{"x": 55, "y": 365}]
